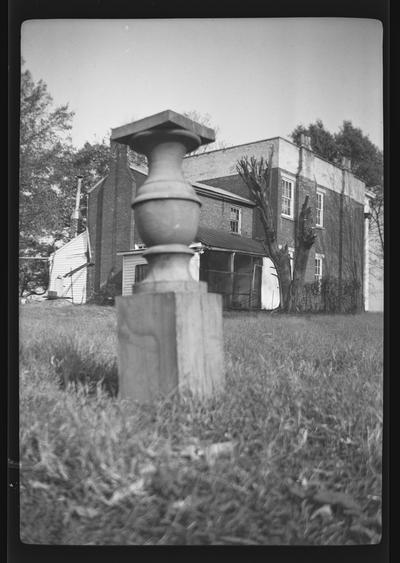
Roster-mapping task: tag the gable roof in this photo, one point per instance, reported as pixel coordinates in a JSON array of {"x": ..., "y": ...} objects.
[
  {"x": 83, "y": 234},
  {"x": 219, "y": 193},
  {"x": 97, "y": 184},
  {"x": 200, "y": 188},
  {"x": 141, "y": 168}
]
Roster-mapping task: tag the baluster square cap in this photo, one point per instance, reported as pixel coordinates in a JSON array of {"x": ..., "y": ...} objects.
[{"x": 167, "y": 119}]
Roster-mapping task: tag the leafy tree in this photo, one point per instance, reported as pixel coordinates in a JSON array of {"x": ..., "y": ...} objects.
[
  {"x": 92, "y": 161},
  {"x": 45, "y": 157},
  {"x": 350, "y": 141},
  {"x": 366, "y": 158},
  {"x": 366, "y": 162},
  {"x": 322, "y": 141}
]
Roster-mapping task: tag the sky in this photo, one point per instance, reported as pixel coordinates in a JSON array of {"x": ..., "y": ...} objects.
[{"x": 257, "y": 78}]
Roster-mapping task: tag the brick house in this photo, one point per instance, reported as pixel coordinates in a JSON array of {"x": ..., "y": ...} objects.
[{"x": 229, "y": 253}]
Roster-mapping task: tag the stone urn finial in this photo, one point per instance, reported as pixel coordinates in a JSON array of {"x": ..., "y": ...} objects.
[{"x": 166, "y": 207}]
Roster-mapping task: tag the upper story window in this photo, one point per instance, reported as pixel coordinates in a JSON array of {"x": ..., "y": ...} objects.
[
  {"x": 236, "y": 220},
  {"x": 319, "y": 220},
  {"x": 287, "y": 198}
]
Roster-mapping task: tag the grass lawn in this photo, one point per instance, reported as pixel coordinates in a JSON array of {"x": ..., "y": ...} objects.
[{"x": 301, "y": 420}]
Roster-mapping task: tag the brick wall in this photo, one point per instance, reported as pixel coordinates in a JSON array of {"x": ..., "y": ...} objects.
[
  {"x": 328, "y": 237},
  {"x": 139, "y": 179},
  {"x": 222, "y": 163},
  {"x": 215, "y": 214},
  {"x": 110, "y": 217},
  {"x": 109, "y": 220}
]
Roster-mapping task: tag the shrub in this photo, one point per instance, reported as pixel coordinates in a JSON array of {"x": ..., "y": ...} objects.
[{"x": 327, "y": 296}]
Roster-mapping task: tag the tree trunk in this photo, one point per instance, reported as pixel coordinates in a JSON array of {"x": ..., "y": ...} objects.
[
  {"x": 282, "y": 265},
  {"x": 305, "y": 239},
  {"x": 297, "y": 285}
]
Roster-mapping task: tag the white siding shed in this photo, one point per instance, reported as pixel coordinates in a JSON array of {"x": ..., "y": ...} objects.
[{"x": 68, "y": 269}]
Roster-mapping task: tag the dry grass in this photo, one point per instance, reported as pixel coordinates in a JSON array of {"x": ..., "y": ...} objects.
[{"x": 303, "y": 410}]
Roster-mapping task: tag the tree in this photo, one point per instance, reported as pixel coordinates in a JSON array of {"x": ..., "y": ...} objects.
[
  {"x": 45, "y": 155},
  {"x": 257, "y": 176},
  {"x": 366, "y": 158},
  {"x": 322, "y": 141},
  {"x": 366, "y": 162},
  {"x": 349, "y": 141},
  {"x": 205, "y": 119},
  {"x": 92, "y": 163}
]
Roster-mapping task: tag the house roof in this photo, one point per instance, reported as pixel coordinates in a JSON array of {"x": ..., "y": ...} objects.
[
  {"x": 141, "y": 168},
  {"x": 218, "y": 240},
  {"x": 219, "y": 193},
  {"x": 83, "y": 234},
  {"x": 201, "y": 189},
  {"x": 97, "y": 184},
  {"x": 228, "y": 241}
]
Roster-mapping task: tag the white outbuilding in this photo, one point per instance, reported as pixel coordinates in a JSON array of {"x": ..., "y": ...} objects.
[{"x": 68, "y": 269}]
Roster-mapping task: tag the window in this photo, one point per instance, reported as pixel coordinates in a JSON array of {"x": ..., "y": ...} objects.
[
  {"x": 320, "y": 209},
  {"x": 236, "y": 220},
  {"x": 318, "y": 267},
  {"x": 140, "y": 272},
  {"x": 287, "y": 197}
]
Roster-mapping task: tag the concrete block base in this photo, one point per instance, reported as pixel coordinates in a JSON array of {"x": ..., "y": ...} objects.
[{"x": 170, "y": 341}]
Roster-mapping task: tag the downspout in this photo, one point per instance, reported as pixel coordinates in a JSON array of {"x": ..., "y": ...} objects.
[
  {"x": 367, "y": 216},
  {"x": 232, "y": 276},
  {"x": 305, "y": 143},
  {"x": 340, "y": 251}
]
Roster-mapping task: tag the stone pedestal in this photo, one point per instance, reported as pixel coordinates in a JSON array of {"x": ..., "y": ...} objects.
[
  {"x": 170, "y": 329},
  {"x": 169, "y": 342}
]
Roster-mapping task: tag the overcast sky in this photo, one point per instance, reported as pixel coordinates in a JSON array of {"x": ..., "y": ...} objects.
[{"x": 256, "y": 78}]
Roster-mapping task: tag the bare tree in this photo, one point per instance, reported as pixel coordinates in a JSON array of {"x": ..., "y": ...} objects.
[
  {"x": 257, "y": 176},
  {"x": 377, "y": 215},
  {"x": 205, "y": 119}
]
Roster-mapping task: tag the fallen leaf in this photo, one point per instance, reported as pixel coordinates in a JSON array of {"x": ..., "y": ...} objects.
[
  {"x": 220, "y": 449},
  {"x": 148, "y": 470},
  {"x": 136, "y": 488},
  {"x": 303, "y": 438},
  {"x": 39, "y": 485},
  {"x": 192, "y": 452},
  {"x": 84, "y": 512},
  {"x": 304, "y": 483},
  {"x": 336, "y": 498},
  {"x": 325, "y": 512},
  {"x": 297, "y": 491},
  {"x": 347, "y": 441},
  {"x": 181, "y": 504}
]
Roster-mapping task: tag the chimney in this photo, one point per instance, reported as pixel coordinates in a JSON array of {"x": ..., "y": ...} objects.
[
  {"x": 305, "y": 141},
  {"x": 76, "y": 214},
  {"x": 346, "y": 163}
]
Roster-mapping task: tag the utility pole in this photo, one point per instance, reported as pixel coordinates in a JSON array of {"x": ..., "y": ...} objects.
[{"x": 76, "y": 214}]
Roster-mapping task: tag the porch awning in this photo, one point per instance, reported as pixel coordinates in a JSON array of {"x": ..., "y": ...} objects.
[{"x": 227, "y": 241}]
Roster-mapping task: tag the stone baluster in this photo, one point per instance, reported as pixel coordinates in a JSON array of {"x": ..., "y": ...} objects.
[{"x": 170, "y": 328}]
